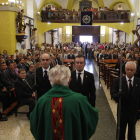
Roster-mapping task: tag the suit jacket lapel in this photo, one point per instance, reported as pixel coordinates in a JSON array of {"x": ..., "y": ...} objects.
[
  {"x": 134, "y": 86},
  {"x": 74, "y": 76},
  {"x": 124, "y": 81},
  {"x": 85, "y": 78}
]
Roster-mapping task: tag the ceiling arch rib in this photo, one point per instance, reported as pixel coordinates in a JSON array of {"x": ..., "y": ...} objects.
[
  {"x": 70, "y": 4},
  {"x": 101, "y": 3}
]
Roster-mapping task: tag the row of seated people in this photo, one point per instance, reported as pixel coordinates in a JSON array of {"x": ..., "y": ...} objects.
[
  {"x": 126, "y": 56},
  {"x": 11, "y": 72}
]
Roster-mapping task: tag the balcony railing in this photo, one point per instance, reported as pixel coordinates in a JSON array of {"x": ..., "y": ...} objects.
[{"x": 75, "y": 17}]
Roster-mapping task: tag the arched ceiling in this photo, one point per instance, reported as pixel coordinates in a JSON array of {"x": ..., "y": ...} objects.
[{"x": 69, "y": 3}]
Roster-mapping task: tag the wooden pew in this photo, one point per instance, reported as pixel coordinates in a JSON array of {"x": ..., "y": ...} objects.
[
  {"x": 69, "y": 63},
  {"x": 109, "y": 69},
  {"x": 101, "y": 69},
  {"x": 113, "y": 76}
]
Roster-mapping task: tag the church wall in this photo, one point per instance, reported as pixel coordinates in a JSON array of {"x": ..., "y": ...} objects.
[
  {"x": 48, "y": 38},
  {"x": 123, "y": 5},
  {"x": 110, "y": 35},
  {"x": 128, "y": 38},
  {"x": 76, "y": 6},
  {"x": 8, "y": 31}
]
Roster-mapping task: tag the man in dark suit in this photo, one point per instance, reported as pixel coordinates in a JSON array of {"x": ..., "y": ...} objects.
[
  {"x": 8, "y": 60},
  {"x": 83, "y": 81},
  {"x": 17, "y": 59},
  {"x": 103, "y": 55},
  {"x": 112, "y": 55},
  {"x": 30, "y": 75},
  {"x": 71, "y": 56},
  {"x": 5, "y": 74},
  {"x": 11, "y": 72},
  {"x": 107, "y": 47},
  {"x": 5, "y": 99},
  {"x": 43, "y": 83},
  {"x": 58, "y": 60},
  {"x": 130, "y": 100},
  {"x": 24, "y": 91},
  {"x": 21, "y": 64}
]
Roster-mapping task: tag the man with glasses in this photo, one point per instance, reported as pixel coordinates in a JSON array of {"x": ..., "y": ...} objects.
[
  {"x": 130, "y": 100},
  {"x": 83, "y": 81},
  {"x": 43, "y": 83}
]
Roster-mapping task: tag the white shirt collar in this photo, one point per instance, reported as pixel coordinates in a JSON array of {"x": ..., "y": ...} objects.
[
  {"x": 46, "y": 69},
  {"x": 132, "y": 79},
  {"x": 82, "y": 72}
]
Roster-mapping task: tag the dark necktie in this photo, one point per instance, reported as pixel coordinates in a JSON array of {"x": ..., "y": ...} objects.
[
  {"x": 118, "y": 62},
  {"x": 79, "y": 79},
  {"x": 27, "y": 84},
  {"x": 45, "y": 75},
  {"x": 130, "y": 86}
]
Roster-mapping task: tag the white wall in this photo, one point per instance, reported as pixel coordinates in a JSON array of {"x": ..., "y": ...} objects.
[
  {"x": 59, "y": 34},
  {"x": 122, "y": 38},
  {"x": 30, "y": 8},
  {"x": 48, "y": 38},
  {"x": 128, "y": 38},
  {"x": 123, "y": 5},
  {"x": 27, "y": 41},
  {"x": 110, "y": 34},
  {"x": 55, "y": 38}
]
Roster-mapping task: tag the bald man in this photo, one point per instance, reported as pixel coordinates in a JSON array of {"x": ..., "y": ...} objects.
[{"x": 43, "y": 83}]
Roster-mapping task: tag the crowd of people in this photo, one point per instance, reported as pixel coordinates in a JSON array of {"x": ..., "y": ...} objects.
[
  {"x": 17, "y": 72},
  {"x": 52, "y": 12}
]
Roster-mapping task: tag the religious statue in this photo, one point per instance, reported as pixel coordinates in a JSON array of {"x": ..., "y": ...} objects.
[
  {"x": 118, "y": 34},
  {"x": 138, "y": 35},
  {"x": 20, "y": 22},
  {"x": 33, "y": 36}
]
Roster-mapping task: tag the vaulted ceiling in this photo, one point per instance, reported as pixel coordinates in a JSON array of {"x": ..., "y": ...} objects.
[{"x": 69, "y": 3}]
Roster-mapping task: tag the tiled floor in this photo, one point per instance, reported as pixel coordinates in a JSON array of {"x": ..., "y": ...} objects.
[{"x": 18, "y": 128}]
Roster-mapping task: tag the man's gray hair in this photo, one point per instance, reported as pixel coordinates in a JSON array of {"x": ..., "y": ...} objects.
[
  {"x": 59, "y": 75},
  {"x": 131, "y": 62}
]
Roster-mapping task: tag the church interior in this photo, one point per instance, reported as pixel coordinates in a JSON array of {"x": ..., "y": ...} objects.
[{"x": 56, "y": 27}]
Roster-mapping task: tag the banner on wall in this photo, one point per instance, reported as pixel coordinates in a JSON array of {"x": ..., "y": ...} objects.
[{"x": 86, "y": 18}]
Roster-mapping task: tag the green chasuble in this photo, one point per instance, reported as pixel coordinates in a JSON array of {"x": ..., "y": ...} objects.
[{"x": 76, "y": 117}]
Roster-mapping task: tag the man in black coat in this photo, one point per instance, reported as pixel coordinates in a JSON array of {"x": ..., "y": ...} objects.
[
  {"x": 83, "y": 81},
  {"x": 71, "y": 56},
  {"x": 43, "y": 83},
  {"x": 30, "y": 75},
  {"x": 11, "y": 72},
  {"x": 4, "y": 74},
  {"x": 21, "y": 64},
  {"x": 112, "y": 55},
  {"x": 103, "y": 55},
  {"x": 8, "y": 60},
  {"x": 130, "y": 100},
  {"x": 24, "y": 91}
]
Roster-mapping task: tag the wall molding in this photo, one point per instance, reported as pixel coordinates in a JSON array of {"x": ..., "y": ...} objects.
[{"x": 8, "y": 8}]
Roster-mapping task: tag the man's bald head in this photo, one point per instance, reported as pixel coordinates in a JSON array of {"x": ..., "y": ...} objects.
[{"x": 45, "y": 60}]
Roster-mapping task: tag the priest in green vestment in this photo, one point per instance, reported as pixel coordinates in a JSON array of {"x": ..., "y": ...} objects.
[{"x": 61, "y": 114}]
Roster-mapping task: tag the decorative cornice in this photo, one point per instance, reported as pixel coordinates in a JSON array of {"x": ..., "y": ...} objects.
[{"x": 8, "y": 8}]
